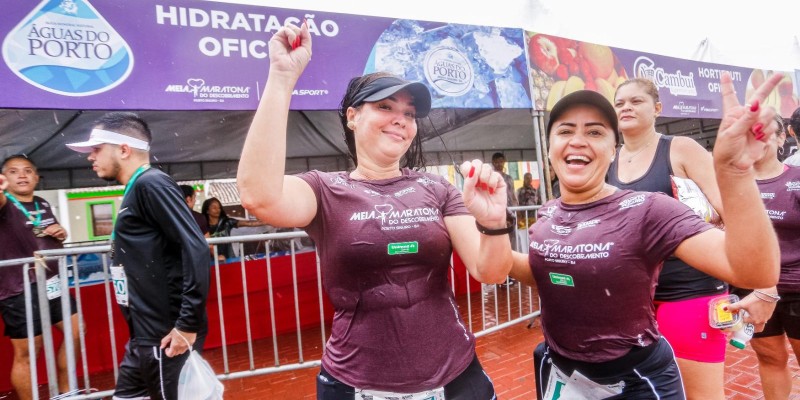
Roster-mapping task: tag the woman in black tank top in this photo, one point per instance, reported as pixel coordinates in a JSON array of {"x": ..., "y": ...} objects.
[{"x": 645, "y": 163}]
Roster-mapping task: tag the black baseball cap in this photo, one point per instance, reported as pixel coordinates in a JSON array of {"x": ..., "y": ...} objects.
[
  {"x": 386, "y": 86},
  {"x": 588, "y": 97}
]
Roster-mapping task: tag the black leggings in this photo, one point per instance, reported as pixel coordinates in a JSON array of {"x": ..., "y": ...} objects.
[{"x": 472, "y": 384}]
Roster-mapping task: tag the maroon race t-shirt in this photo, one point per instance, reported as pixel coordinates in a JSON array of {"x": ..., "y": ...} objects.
[
  {"x": 385, "y": 256},
  {"x": 781, "y": 196},
  {"x": 18, "y": 241},
  {"x": 596, "y": 267}
]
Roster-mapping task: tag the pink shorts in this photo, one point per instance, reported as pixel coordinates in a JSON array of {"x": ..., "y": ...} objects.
[{"x": 684, "y": 324}]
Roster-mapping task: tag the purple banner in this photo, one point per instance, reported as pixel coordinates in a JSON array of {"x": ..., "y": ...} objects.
[
  {"x": 189, "y": 55},
  {"x": 687, "y": 88}
]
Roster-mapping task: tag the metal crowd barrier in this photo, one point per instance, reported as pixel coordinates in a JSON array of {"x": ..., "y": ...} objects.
[{"x": 499, "y": 306}]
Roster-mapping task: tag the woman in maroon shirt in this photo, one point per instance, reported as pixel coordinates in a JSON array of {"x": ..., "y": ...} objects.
[
  {"x": 779, "y": 185},
  {"x": 384, "y": 231},
  {"x": 596, "y": 252}
]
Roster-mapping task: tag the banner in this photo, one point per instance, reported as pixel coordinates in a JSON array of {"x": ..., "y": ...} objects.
[
  {"x": 686, "y": 88},
  {"x": 190, "y": 55}
]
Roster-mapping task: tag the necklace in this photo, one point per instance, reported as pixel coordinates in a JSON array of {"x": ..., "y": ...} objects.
[{"x": 642, "y": 149}]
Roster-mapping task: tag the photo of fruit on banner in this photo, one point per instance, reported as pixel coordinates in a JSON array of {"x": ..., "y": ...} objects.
[
  {"x": 783, "y": 98},
  {"x": 560, "y": 66}
]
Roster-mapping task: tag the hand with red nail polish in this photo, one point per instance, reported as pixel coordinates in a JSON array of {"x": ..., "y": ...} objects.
[
  {"x": 742, "y": 129},
  {"x": 483, "y": 193}
]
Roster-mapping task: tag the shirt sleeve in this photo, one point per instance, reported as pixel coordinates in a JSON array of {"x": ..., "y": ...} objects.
[
  {"x": 667, "y": 223},
  {"x": 314, "y": 180},
  {"x": 453, "y": 202},
  {"x": 164, "y": 207}
]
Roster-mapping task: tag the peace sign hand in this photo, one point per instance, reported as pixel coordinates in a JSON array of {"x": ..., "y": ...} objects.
[{"x": 744, "y": 128}]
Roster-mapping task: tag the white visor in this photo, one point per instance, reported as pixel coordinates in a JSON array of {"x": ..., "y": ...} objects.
[{"x": 99, "y": 136}]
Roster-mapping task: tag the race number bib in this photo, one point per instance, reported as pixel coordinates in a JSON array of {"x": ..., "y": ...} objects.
[
  {"x": 577, "y": 386},
  {"x": 120, "y": 282},
  {"x": 53, "y": 288},
  {"x": 435, "y": 394}
]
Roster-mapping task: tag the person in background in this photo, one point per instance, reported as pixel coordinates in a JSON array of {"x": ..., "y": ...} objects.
[
  {"x": 778, "y": 184},
  {"x": 191, "y": 197},
  {"x": 645, "y": 162},
  {"x": 793, "y": 129},
  {"x": 499, "y": 165},
  {"x": 159, "y": 260},
  {"x": 220, "y": 225},
  {"x": 385, "y": 233},
  {"x": 596, "y": 252},
  {"x": 527, "y": 195},
  {"x": 27, "y": 224}
]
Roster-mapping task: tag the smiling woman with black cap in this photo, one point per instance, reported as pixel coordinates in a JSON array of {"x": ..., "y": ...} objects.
[
  {"x": 385, "y": 233},
  {"x": 595, "y": 252}
]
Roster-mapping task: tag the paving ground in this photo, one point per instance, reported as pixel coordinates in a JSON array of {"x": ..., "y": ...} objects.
[{"x": 506, "y": 356}]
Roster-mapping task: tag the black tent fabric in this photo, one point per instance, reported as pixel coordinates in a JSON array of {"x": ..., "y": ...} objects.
[{"x": 194, "y": 145}]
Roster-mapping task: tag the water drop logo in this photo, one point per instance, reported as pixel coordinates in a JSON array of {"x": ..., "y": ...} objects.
[
  {"x": 67, "y": 47},
  {"x": 449, "y": 71}
]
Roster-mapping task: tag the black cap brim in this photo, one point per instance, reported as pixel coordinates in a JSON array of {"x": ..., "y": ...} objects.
[
  {"x": 588, "y": 97},
  {"x": 384, "y": 87}
]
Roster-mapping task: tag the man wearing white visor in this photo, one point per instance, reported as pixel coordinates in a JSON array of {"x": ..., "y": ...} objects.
[{"x": 159, "y": 256}]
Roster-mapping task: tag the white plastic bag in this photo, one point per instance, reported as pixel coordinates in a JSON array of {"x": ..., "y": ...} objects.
[
  {"x": 198, "y": 381},
  {"x": 687, "y": 192}
]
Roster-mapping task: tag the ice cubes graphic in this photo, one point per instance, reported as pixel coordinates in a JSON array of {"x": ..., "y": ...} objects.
[
  {"x": 496, "y": 57},
  {"x": 67, "y": 47}
]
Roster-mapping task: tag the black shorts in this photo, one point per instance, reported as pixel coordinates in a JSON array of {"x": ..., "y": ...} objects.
[
  {"x": 646, "y": 373},
  {"x": 13, "y": 311},
  {"x": 785, "y": 318},
  {"x": 472, "y": 384},
  {"x": 142, "y": 374}
]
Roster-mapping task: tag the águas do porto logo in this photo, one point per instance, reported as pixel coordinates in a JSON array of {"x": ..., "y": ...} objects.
[
  {"x": 449, "y": 71},
  {"x": 67, "y": 47}
]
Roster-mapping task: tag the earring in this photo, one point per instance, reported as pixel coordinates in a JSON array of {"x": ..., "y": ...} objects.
[
  {"x": 780, "y": 150},
  {"x": 351, "y": 125},
  {"x": 613, "y": 158}
]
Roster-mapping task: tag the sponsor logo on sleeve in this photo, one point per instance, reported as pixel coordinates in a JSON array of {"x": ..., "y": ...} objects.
[{"x": 630, "y": 202}]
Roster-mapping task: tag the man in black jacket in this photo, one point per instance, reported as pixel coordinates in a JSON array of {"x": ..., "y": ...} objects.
[{"x": 160, "y": 259}]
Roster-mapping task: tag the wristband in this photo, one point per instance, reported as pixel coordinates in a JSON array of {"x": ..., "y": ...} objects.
[
  {"x": 494, "y": 232},
  {"x": 773, "y": 298}
]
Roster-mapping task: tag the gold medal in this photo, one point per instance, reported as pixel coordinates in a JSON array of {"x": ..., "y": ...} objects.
[{"x": 39, "y": 231}]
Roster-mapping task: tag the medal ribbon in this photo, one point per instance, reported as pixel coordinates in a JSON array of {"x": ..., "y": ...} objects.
[
  {"x": 35, "y": 221},
  {"x": 128, "y": 187}
]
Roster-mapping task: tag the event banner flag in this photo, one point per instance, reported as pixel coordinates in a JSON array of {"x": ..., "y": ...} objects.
[
  {"x": 559, "y": 66},
  {"x": 192, "y": 55}
]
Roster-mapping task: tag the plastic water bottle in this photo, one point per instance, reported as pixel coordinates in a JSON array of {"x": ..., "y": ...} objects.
[{"x": 742, "y": 335}]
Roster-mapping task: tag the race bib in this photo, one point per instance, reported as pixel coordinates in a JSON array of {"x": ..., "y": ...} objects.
[
  {"x": 53, "y": 288},
  {"x": 577, "y": 386},
  {"x": 435, "y": 394},
  {"x": 120, "y": 282}
]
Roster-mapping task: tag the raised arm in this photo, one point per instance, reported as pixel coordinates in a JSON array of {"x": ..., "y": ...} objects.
[
  {"x": 487, "y": 257},
  {"x": 747, "y": 252},
  {"x": 275, "y": 198},
  {"x": 695, "y": 163}
]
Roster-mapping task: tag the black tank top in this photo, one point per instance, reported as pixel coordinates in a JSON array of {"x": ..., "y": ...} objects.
[{"x": 678, "y": 280}]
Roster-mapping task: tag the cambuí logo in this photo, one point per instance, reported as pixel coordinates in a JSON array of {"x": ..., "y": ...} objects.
[{"x": 67, "y": 47}]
